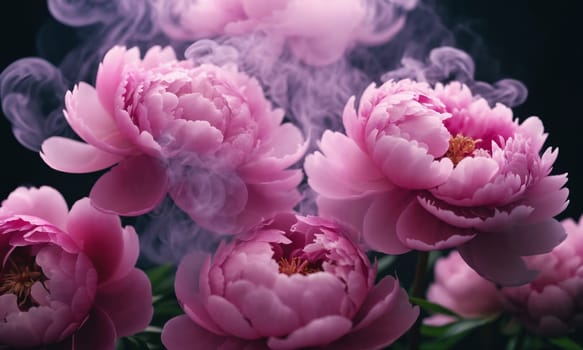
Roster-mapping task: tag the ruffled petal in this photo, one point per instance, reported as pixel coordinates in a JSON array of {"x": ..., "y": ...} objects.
[
  {"x": 133, "y": 187},
  {"x": 44, "y": 202},
  {"x": 419, "y": 230},
  {"x": 340, "y": 155},
  {"x": 93, "y": 123},
  {"x": 409, "y": 165},
  {"x": 110, "y": 74}
]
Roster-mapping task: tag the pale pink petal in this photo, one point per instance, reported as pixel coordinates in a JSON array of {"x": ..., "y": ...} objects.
[
  {"x": 419, "y": 230},
  {"x": 44, "y": 202},
  {"x": 289, "y": 144},
  {"x": 261, "y": 306},
  {"x": 127, "y": 302},
  {"x": 408, "y": 165},
  {"x": 97, "y": 333},
  {"x": 157, "y": 55},
  {"x": 548, "y": 196},
  {"x": 198, "y": 137},
  {"x": 93, "y": 123},
  {"x": 72, "y": 156},
  {"x": 133, "y": 187},
  {"x": 110, "y": 74},
  {"x": 353, "y": 125},
  {"x": 340, "y": 155},
  {"x": 468, "y": 176},
  {"x": 321, "y": 331}
]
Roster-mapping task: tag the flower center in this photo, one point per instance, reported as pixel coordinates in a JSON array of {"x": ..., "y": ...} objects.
[
  {"x": 297, "y": 265},
  {"x": 19, "y": 273},
  {"x": 460, "y": 147}
]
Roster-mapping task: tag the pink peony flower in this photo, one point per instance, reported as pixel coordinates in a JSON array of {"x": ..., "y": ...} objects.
[
  {"x": 552, "y": 304},
  {"x": 206, "y": 134},
  {"x": 68, "y": 279},
  {"x": 294, "y": 282},
  {"x": 427, "y": 169},
  {"x": 315, "y": 31},
  {"x": 459, "y": 288}
]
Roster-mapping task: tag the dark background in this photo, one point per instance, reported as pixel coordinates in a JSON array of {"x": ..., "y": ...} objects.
[{"x": 537, "y": 42}]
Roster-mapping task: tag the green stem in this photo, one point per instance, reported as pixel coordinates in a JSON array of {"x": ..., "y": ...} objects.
[{"x": 417, "y": 290}]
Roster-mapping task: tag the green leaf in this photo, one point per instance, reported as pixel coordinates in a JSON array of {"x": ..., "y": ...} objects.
[
  {"x": 162, "y": 279},
  {"x": 444, "y": 337},
  {"x": 565, "y": 343},
  {"x": 432, "y": 307}
]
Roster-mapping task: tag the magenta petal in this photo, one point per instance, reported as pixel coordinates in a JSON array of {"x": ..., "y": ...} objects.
[
  {"x": 127, "y": 302},
  {"x": 72, "y": 156},
  {"x": 320, "y": 331},
  {"x": 495, "y": 261},
  {"x": 99, "y": 235},
  {"x": 44, "y": 202},
  {"x": 133, "y": 187},
  {"x": 180, "y": 333},
  {"x": 97, "y": 333},
  {"x": 420, "y": 230}
]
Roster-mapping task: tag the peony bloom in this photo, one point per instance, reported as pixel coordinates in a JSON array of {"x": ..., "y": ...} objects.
[
  {"x": 294, "y": 282},
  {"x": 206, "y": 135},
  {"x": 459, "y": 288},
  {"x": 315, "y": 31},
  {"x": 68, "y": 279},
  {"x": 552, "y": 304},
  {"x": 427, "y": 169}
]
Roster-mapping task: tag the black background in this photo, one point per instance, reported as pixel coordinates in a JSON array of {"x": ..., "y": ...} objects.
[{"x": 537, "y": 42}]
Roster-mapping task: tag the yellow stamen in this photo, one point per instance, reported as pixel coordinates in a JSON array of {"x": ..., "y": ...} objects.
[
  {"x": 18, "y": 276},
  {"x": 297, "y": 265},
  {"x": 460, "y": 147}
]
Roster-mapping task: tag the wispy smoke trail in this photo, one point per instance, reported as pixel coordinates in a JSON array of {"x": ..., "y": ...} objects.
[
  {"x": 446, "y": 64},
  {"x": 167, "y": 234},
  {"x": 32, "y": 93}
]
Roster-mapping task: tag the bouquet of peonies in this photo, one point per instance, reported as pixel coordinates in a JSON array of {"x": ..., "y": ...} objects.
[{"x": 266, "y": 172}]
